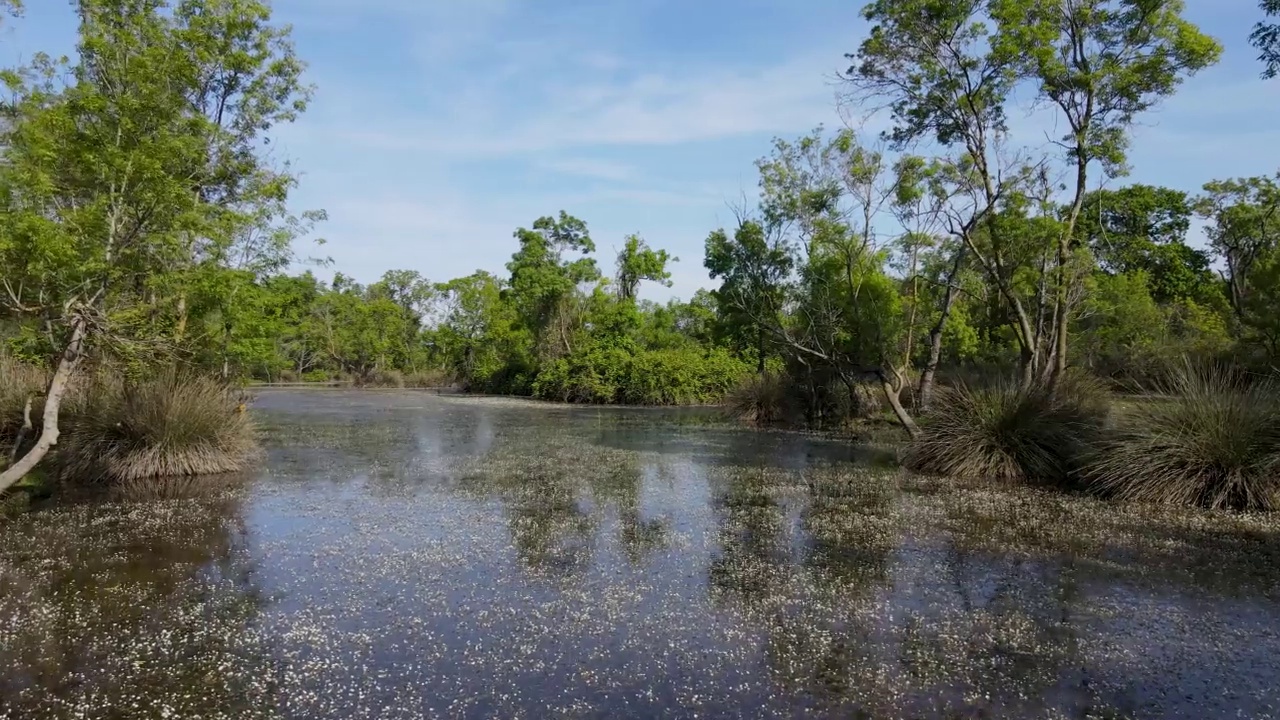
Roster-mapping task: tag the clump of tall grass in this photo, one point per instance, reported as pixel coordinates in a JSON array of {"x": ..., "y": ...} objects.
[
  {"x": 173, "y": 424},
  {"x": 1210, "y": 437},
  {"x": 762, "y": 399},
  {"x": 429, "y": 378},
  {"x": 382, "y": 378},
  {"x": 19, "y": 382},
  {"x": 1007, "y": 433}
]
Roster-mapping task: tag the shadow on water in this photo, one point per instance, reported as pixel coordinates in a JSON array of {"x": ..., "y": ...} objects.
[{"x": 454, "y": 557}]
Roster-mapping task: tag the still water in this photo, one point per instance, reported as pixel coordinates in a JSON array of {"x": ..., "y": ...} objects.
[{"x": 406, "y": 555}]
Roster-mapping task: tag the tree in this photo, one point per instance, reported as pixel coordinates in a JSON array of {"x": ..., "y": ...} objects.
[
  {"x": 947, "y": 70},
  {"x": 543, "y": 281},
  {"x": 1101, "y": 63},
  {"x": 1266, "y": 38},
  {"x": 1244, "y": 216},
  {"x": 637, "y": 262},
  {"x": 1141, "y": 228},
  {"x": 109, "y": 176},
  {"x": 752, "y": 267}
]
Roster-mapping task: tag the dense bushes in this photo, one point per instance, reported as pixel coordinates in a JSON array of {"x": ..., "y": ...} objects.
[
  {"x": 613, "y": 374},
  {"x": 1211, "y": 438},
  {"x": 1009, "y": 434}
]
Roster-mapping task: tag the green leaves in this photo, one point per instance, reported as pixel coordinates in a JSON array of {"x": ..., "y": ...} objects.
[
  {"x": 637, "y": 262},
  {"x": 1266, "y": 38}
]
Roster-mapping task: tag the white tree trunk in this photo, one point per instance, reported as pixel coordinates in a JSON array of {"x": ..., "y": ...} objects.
[{"x": 67, "y": 365}]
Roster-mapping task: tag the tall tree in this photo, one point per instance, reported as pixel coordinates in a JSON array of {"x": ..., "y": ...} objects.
[
  {"x": 1101, "y": 63},
  {"x": 947, "y": 72},
  {"x": 543, "y": 280},
  {"x": 753, "y": 268}
]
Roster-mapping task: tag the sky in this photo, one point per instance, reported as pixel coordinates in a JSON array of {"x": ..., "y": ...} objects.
[{"x": 440, "y": 126}]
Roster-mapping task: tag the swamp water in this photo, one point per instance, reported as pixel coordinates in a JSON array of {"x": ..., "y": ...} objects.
[{"x": 405, "y": 555}]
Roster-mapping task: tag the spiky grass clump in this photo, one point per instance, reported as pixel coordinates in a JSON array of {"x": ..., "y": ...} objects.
[
  {"x": 762, "y": 400},
  {"x": 175, "y": 424},
  {"x": 1006, "y": 433},
  {"x": 429, "y": 379},
  {"x": 19, "y": 381},
  {"x": 1210, "y": 438}
]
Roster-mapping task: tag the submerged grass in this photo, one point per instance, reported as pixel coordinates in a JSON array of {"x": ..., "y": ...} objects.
[
  {"x": 1010, "y": 434},
  {"x": 174, "y": 424},
  {"x": 1211, "y": 438}
]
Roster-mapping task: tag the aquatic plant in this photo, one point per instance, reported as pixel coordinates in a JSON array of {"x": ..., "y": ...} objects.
[
  {"x": 1006, "y": 433},
  {"x": 170, "y": 424},
  {"x": 1211, "y": 438}
]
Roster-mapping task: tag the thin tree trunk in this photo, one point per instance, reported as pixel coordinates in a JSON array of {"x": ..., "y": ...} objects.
[
  {"x": 25, "y": 430},
  {"x": 181, "y": 329},
  {"x": 935, "y": 334},
  {"x": 893, "y": 393},
  {"x": 67, "y": 365}
]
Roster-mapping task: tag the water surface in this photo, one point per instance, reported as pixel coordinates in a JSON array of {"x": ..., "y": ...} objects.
[{"x": 412, "y": 555}]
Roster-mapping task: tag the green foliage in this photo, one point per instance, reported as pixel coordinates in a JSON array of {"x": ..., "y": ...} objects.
[
  {"x": 1266, "y": 38},
  {"x": 602, "y": 374},
  {"x": 1211, "y": 438},
  {"x": 173, "y": 423},
  {"x": 1007, "y": 433}
]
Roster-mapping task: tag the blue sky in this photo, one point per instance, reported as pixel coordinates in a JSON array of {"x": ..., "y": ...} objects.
[{"x": 439, "y": 126}]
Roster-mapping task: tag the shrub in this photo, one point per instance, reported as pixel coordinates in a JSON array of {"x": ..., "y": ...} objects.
[
  {"x": 604, "y": 374},
  {"x": 1009, "y": 434},
  {"x": 287, "y": 375},
  {"x": 316, "y": 376},
  {"x": 681, "y": 376},
  {"x": 169, "y": 425},
  {"x": 1211, "y": 438}
]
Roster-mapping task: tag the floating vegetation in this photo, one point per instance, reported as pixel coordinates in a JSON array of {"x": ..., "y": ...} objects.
[{"x": 406, "y": 557}]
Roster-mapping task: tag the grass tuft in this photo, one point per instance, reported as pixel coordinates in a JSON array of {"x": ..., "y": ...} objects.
[
  {"x": 762, "y": 400},
  {"x": 174, "y": 424},
  {"x": 1210, "y": 438},
  {"x": 1004, "y": 433},
  {"x": 18, "y": 382}
]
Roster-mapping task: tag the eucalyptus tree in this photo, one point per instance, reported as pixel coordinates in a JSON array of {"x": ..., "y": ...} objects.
[{"x": 949, "y": 71}]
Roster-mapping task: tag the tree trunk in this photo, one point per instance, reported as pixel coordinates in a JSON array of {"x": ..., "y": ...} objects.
[
  {"x": 935, "y": 334},
  {"x": 181, "y": 329},
  {"x": 1028, "y": 368},
  {"x": 892, "y": 393},
  {"x": 67, "y": 365},
  {"x": 25, "y": 430},
  {"x": 760, "y": 352}
]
